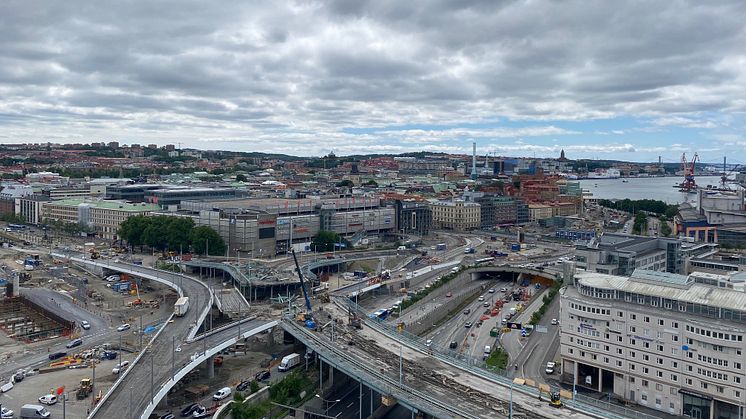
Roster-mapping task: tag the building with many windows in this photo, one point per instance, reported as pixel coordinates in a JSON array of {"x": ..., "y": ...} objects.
[
  {"x": 104, "y": 216},
  {"x": 621, "y": 254},
  {"x": 456, "y": 215},
  {"x": 661, "y": 340}
]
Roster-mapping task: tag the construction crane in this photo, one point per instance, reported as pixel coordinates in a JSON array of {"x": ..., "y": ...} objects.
[
  {"x": 308, "y": 317},
  {"x": 688, "y": 169},
  {"x": 724, "y": 179}
]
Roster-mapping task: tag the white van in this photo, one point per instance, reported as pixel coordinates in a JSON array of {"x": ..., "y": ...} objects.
[
  {"x": 34, "y": 411},
  {"x": 222, "y": 394},
  {"x": 487, "y": 352},
  {"x": 289, "y": 362}
]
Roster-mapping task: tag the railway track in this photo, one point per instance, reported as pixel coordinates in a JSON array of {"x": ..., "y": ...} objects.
[{"x": 429, "y": 380}]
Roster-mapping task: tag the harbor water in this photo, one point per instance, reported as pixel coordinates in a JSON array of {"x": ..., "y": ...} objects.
[{"x": 660, "y": 188}]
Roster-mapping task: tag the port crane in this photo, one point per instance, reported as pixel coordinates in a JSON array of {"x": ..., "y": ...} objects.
[{"x": 688, "y": 169}]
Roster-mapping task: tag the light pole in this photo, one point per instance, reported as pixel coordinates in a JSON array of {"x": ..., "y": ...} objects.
[
  {"x": 510, "y": 406},
  {"x": 326, "y": 410}
]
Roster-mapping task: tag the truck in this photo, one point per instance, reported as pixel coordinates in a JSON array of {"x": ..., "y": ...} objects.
[
  {"x": 33, "y": 411},
  {"x": 181, "y": 306},
  {"x": 515, "y": 247},
  {"x": 469, "y": 250},
  {"x": 440, "y": 246},
  {"x": 289, "y": 361}
]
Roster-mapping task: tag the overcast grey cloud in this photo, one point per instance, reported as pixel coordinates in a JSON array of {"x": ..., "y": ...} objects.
[{"x": 357, "y": 76}]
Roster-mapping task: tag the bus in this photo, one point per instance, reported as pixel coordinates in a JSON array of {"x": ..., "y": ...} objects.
[
  {"x": 379, "y": 315},
  {"x": 16, "y": 226},
  {"x": 484, "y": 260}
]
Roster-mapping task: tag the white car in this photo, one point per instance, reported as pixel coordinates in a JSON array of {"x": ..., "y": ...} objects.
[
  {"x": 6, "y": 413},
  {"x": 85, "y": 325},
  {"x": 120, "y": 367},
  {"x": 491, "y": 291},
  {"x": 555, "y": 322},
  {"x": 221, "y": 394},
  {"x": 550, "y": 367},
  {"x": 49, "y": 399},
  {"x": 123, "y": 327},
  {"x": 429, "y": 343},
  {"x": 481, "y": 298}
]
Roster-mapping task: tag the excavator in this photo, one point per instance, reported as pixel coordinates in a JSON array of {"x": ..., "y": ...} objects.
[{"x": 307, "y": 317}]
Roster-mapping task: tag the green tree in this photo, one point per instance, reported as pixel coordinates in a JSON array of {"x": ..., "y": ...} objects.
[
  {"x": 132, "y": 230},
  {"x": 241, "y": 178},
  {"x": 324, "y": 241},
  {"x": 345, "y": 184},
  {"x": 178, "y": 230},
  {"x": 203, "y": 237},
  {"x": 641, "y": 223},
  {"x": 665, "y": 228}
]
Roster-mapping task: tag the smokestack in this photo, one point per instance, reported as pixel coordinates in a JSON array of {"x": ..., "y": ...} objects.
[{"x": 474, "y": 161}]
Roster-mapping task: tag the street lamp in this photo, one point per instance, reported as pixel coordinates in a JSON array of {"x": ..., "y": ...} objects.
[{"x": 326, "y": 411}]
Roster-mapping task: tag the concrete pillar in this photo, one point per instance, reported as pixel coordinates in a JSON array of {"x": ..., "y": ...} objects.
[
  {"x": 271, "y": 339},
  {"x": 600, "y": 377},
  {"x": 331, "y": 376},
  {"x": 210, "y": 367}
]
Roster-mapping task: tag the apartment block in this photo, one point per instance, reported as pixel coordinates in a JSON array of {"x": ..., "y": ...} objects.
[
  {"x": 456, "y": 215},
  {"x": 661, "y": 340}
]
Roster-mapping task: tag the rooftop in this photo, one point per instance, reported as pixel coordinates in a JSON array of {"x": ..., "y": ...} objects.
[
  {"x": 118, "y": 205},
  {"x": 692, "y": 293}
]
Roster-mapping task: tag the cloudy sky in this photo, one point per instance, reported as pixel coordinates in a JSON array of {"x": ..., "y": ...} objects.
[{"x": 625, "y": 80}]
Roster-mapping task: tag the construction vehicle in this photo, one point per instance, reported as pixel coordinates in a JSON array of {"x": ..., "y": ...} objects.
[
  {"x": 307, "y": 318},
  {"x": 85, "y": 389},
  {"x": 355, "y": 320},
  {"x": 94, "y": 253},
  {"x": 554, "y": 399}
]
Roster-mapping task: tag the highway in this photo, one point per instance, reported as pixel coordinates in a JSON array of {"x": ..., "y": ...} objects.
[
  {"x": 540, "y": 348},
  {"x": 158, "y": 357}
]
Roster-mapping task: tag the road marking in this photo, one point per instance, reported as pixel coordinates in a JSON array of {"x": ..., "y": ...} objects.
[{"x": 350, "y": 405}]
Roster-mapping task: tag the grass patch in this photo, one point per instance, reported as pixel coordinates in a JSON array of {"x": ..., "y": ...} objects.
[
  {"x": 546, "y": 301},
  {"x": 287, "y": 392},
  {"x": 435, "y": 285},
  {"x": 498, "y": 359}
]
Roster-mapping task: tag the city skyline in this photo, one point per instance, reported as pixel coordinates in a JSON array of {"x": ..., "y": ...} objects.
[{"x": 630, "y": 83}]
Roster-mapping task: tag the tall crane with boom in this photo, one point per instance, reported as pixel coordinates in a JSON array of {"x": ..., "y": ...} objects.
[
  {"x": 308, "y": 317},
  {"x": 688, "y": 169}
]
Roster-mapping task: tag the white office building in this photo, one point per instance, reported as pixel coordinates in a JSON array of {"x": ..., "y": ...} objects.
[{"x": 657, "y": 339}]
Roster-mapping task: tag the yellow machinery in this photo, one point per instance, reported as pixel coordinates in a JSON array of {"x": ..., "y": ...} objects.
[{"x": 85, "y": 388}]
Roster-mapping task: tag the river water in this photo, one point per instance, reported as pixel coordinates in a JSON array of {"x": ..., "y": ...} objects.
[{"x": 660, "y": 188}]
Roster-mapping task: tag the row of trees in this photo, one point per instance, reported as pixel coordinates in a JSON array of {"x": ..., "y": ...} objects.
[
  {"x": 649, "y": 205},
  {"x": 171, "y": 233},
  {"x": 324, "y": 241}
]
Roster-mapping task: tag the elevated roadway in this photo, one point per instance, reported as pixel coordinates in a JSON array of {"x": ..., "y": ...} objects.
[{"x": 160, "y": 350}]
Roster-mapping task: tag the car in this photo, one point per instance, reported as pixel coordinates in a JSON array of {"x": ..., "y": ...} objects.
[
  {"x": 85, "y": 325},
  {"x": 554, "y": 322},
  {"x": 6, "y": 413},
  {"x": 74, "y": 343},
  {"x": 201, "y": 412},
  {"x": 481, "y": 298},
  {"x": 167, "y": 415},
  {"x": 57, "y": 355},
  {"x": 120, "y": 367},
  {"x": 123, "y": 327},
  {"x": 221, "y": 394},
  {"x": 49, "y": 399},
  {"x": 262, "y": 375},
  {"x": 187, "y": 411},
  {"x": 19, "y": 376},
  {"x": 243, "y": 385},
  {"x": 467, "y": 325},
  {"x": 453, "y": 344},
  {"x": 429, "y": 343},
  {"x": 550, "y": 367},
  {"x": 503, "y": 289},
  {"x": 449, "y": 295},
  {"x": 467, "y": 311},
  {"x": 486, "y": 304},
  {"x": 491, "y": 290}
]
